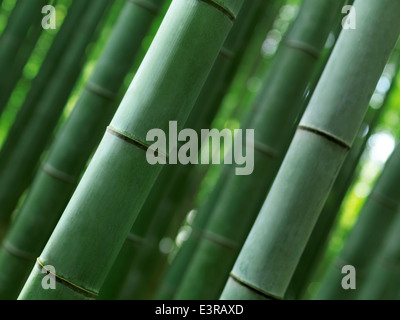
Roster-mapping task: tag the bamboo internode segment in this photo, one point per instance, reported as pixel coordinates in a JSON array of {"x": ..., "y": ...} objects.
[{"x": 274, "y": 246}]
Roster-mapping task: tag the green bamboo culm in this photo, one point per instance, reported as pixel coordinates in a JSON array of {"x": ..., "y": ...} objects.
[
  {"x": 109, "y": 196},
  {"x": 21, "y": 164},
  {"x": 157, "y": 209},
  {"x": 23, "y": 16},
  {"x": 8, "y": 83},
  {"x": 382, "y": 280},
  {"x": 326, "y": 132},
  {"x": 54, "y": 184},
  {"x": 44, "y": 76},
  {"x": 360, "y": 248},
  {"x": 174, "y": 274},
  {"x": 327, "y": 220},
  {"x": 273, "y": 123}
]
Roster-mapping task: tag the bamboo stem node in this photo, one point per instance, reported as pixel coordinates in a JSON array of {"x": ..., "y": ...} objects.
[
  {"x": 326, "y": 135},
  {"x": 252, "y": 288},
  {"x": 263, "y": 148},
  {"x": 61, "y": 280},
  {"x": 59, "y": 175},
  {"x": 302, "y": 46},
  {"x": 226, "y": 53},
  {"x": 386, "y": 201},
  {"x": 221, "y": 8},
  {"x": 100, "y": 91},
  {"x": 133, "y": 141},
  {"x": 11, "y": 249},
  {"x": 147, "y": 5},
  {"x": 219, "y": 240}
]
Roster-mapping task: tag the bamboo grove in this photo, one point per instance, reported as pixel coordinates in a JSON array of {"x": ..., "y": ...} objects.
[{"x": 276, "y": 175}]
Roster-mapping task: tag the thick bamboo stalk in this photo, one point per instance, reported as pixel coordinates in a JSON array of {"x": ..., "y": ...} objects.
[
  {"x": 273, "y": 124},
  {"x": 19, "y": 171},
  {"x": 171, "y": 177},
  {"x": 326, "y": 221},
  {"x": 326, "y": 132},
  {"x": 54, "y": 184},
  {"x": 360, "y": 247},
  {"x": 83, "y": 247}
]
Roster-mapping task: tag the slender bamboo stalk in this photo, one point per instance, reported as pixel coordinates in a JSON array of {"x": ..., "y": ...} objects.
[
  {"x": 19, "y": 170},
  {"x": 9, "y": 82},
  {"x": 46, "y": 72},
  {"x": 383, "y": 277},
  {"x": 326, "y": 221},
  {"x": 375, "y": 218},
  {"x": 119, "y": 178},
  {"x": 174, "y": 275},
  {"x": 207, "y": 104},
  {"x": 326, "y": 132},
  {"x": 54, "y": 184},
  {"x": 25, "y": 13},
  {"x": 273, "y": 124}
]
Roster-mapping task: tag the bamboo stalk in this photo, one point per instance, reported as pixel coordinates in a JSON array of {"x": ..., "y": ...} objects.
[
  {"x": 9, "y": 82},
  {"x": 19, "y": 171},
  {"x": 46, "y": 72},
  {"x": 54, "y": 184},
  {"x": 273, "y": 123},
  {"x": 326, "y": 132},
  {"x": 201, "y": 115},
  {"x": 326, "y": 221},
  {"x": 174, "y": 275},
  {"x": 25, "y": 13},
  {"x": 382, "y": 280},
  {"x": 119, "y": 178},
  {"x": 375, "y": 218}
]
